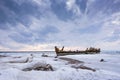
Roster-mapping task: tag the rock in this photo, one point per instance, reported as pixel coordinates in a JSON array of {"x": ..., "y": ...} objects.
[
  {"x": 39, "y": 66},
  {"x": 3, "y": 56},
  {"x": 56, "y": 56},
  {"x": 43, "y": 55},
  {"x": 55, "y": 59},
  {"x": 71, "y": 61},
  {"x": 48, "y": 67},
  {"x": 83, "y": 67},
  {"x": 27, "y": 69},
  {"x": 102, "y": 60}
]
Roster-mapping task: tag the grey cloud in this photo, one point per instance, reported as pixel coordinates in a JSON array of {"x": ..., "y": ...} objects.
[
  {"x": 58, "y": 26},
  {"x": 49, "y": 29},
  {"x": 20, "y": 38},
  {"x": 13, "y": 13},
  {"x": 31, "y": 37},
  {"x": 43, "y": 34},
  {"x": 60, "y": 10},
  {"x": 107, "y": 7},
  {"x": 114, "y": 37},
  {"x": 82, "y": 5}
]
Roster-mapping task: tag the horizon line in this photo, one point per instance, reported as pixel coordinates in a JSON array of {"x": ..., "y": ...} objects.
[{"x": 25, "y": 51}]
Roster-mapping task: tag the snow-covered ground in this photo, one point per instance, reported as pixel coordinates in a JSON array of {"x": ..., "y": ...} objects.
[{"x": 11, "y": 67}]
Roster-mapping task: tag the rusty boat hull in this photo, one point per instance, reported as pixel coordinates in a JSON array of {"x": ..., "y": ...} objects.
[{"x": 87, "y": 51}]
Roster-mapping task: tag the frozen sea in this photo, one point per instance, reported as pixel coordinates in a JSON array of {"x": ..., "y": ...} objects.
[{"x": 106, "y": 70}]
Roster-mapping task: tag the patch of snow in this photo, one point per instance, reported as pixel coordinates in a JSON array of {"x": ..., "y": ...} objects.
[{"x": 107, "y": 70}]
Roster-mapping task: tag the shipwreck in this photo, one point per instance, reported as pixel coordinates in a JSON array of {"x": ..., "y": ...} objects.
[{"x": 62, "y": 52}]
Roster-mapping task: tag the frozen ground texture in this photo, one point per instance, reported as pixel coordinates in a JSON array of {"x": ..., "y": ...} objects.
[{"x": 107, "y": 70}]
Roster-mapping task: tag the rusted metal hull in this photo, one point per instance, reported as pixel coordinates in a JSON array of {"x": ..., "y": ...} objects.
[
  {"x": 87, "y": 51},
  {"x": 74, "y": 53}
]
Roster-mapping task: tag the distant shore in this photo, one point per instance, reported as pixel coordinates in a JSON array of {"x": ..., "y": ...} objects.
[{"x": 23, "y": 51}]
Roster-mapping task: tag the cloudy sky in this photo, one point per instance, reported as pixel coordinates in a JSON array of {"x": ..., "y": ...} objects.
[{"x": 42, "y": 24}]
